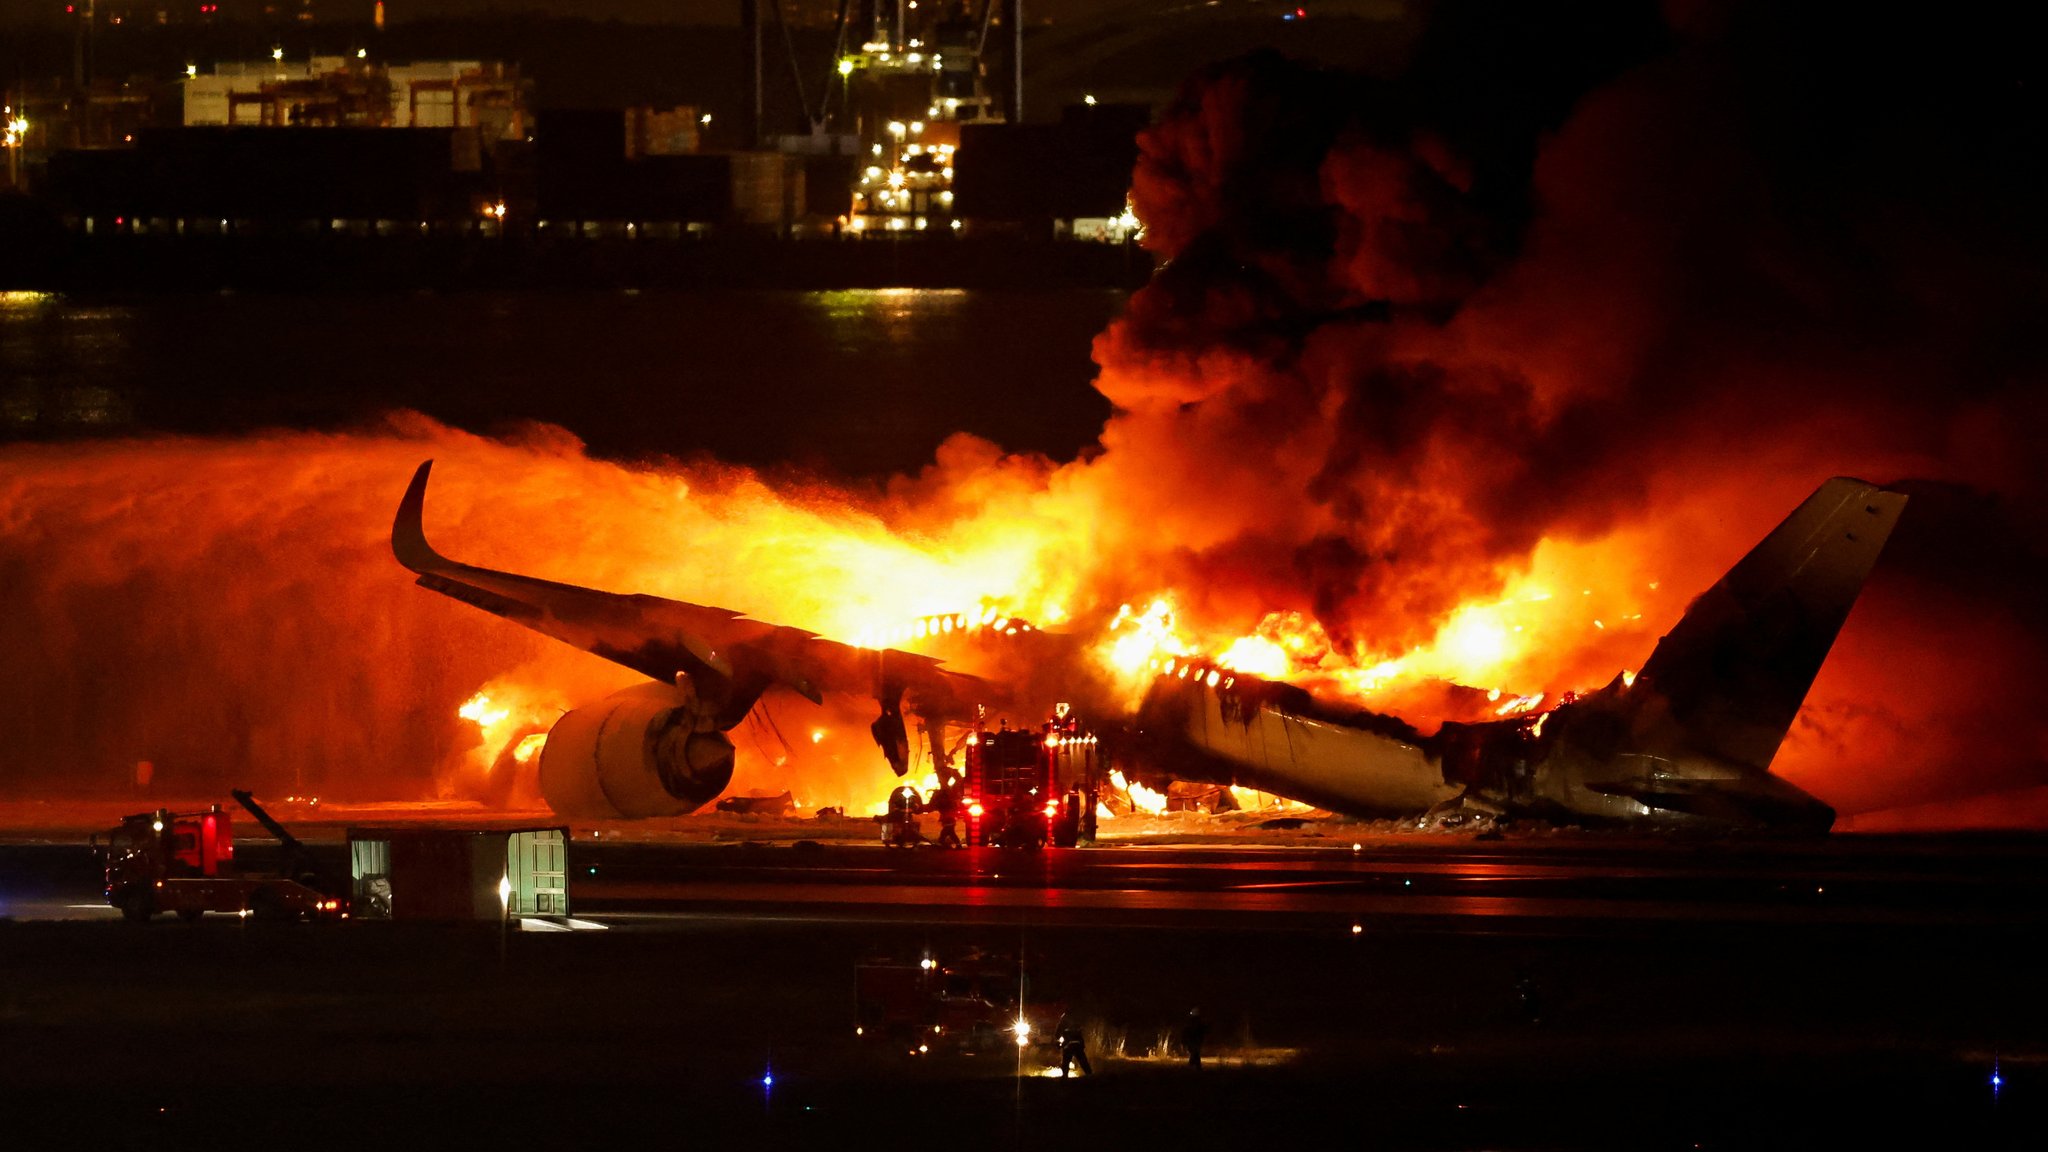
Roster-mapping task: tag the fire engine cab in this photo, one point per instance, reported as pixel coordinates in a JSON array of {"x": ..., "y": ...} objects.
[
  {"x": 1027, "y": 787},
  {"x": 184, "y": 862}
]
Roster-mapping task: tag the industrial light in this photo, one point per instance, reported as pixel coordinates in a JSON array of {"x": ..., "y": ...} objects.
[
  {"x": 1089, "y": 100},
  {"x": 191, "y": 70},
  {"x": 704, "y": 119},
  {"x": 277, "y": 53},
  {"x": 845, "y": 67}
]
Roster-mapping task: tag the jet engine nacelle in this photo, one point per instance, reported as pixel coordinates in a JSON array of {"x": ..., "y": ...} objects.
[{"x": 651, "y": 750}]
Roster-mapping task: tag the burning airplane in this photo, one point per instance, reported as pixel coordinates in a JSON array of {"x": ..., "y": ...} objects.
[{"x": 1687, "y": 742}]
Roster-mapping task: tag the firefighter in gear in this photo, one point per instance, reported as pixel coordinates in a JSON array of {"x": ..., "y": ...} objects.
[
  {"x": 1070, "y": 819},
  {"x": 946, "y": 802},
  {"x": 1073, "y": 1047},
  {"x": 899, "y": 828},
  {"x": 1192, "y": 1034}
]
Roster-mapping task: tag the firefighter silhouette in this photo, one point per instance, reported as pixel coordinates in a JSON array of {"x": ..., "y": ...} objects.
[
  {"x": 900, "y": 829},
  {"x": 946, "y": 802},
  {"x": 1073, "y": 1047},
  {"x": 1070, "y": 819},
  {"x": 1192, "y": 1034}
]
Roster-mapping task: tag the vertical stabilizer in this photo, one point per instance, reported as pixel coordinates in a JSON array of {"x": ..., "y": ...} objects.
[{"x": 1734, "y": 671}]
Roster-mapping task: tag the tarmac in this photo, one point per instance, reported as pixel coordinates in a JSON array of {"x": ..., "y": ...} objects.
[{"x": 1426, "y": 991}]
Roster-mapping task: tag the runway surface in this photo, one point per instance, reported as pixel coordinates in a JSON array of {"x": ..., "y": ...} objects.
[{"x": 1422, "y": 992}]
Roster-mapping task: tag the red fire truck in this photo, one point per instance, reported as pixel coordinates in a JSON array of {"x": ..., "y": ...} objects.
[
  {"x": 967, "y": 1004},
  {"x": 1025, "y": 787},
  {"x": 185, "y": 863}
]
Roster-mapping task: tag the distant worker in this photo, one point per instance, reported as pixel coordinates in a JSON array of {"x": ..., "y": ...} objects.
[
  {"x": 1530, "y": 995},
  {"x": 1192, "y": 1034},
  {"x": 1073, "y": 1047},
  {"x": 946, "y": 801}
]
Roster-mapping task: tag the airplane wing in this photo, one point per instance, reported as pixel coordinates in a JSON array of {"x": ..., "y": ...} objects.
[{"x": 730, "y": 658}]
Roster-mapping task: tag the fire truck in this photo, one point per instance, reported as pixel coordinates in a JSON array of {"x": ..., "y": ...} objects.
[
  {"x": 1027, "y": 787},
  {"x": 164, "y": 861},
  {"x": 968, "y": 1004}
]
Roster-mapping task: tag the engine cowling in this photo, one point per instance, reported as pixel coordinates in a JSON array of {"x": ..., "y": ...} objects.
[{"x": 650, "y": 750}]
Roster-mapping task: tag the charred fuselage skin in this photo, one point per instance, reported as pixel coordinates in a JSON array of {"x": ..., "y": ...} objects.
[
  {"x": 1578, "y": 765},
  {"x": 1687, "y": 744}
]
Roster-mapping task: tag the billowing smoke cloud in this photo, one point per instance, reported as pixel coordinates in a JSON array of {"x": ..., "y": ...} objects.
[{"x": 1742, "y": 273}]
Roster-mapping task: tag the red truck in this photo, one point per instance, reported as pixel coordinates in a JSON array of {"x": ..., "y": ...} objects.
[
  {"x": 1027, "y": 787},
  {"x": 968, "y": 1004},
  {"x": 185, "y": 863}
]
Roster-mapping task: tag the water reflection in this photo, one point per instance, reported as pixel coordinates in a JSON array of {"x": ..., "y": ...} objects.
[
  {"x": 854, "y": 383},
  {"x": 59, "y": 365}
]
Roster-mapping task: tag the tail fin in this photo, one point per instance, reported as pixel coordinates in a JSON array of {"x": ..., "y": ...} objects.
[{"x": 1737, "y": 666}]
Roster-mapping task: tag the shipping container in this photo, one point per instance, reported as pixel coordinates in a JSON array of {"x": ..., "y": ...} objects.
[{"x": 458, "y": 873}]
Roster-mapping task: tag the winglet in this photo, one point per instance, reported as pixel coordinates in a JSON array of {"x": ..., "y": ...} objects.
[{"x": 408, "y": 534}]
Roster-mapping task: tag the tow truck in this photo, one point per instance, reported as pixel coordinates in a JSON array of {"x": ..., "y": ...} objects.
[
  {"x": 1018, "y": 783},
  {"x": 164, "y": 861}
]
